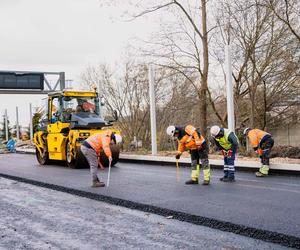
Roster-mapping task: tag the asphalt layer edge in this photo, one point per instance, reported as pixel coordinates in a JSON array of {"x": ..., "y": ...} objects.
[
  {"x": 213, "y": 166},
  {"x": 260, "y": 234}
]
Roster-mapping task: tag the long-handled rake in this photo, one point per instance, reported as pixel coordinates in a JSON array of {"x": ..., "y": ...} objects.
[
  {"x": 177, "y": 171},
  {"x": 108, "y": 175}
]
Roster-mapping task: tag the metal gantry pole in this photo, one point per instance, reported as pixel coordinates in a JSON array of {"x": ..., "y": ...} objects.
[
  {"x": 152, "y": 110},
  {"x": 30, "y": 124},
  {"x": 62, "y": 80},
  {"x": 6, "y": 125},
  {"x": 17, "y": 124},
  {"x": 229, "y": 89},
  {"x": 101, "y": 100}
]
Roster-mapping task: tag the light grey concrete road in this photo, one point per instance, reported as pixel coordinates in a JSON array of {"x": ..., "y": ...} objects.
[
  {"x": 32, "y": 217},
  {"x": 270, "y": 204}
]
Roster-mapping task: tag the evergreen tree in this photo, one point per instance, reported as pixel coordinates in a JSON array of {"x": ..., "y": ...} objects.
[
  {"x": 3, "y": 136},
  {"x": 36, "y": 119}
]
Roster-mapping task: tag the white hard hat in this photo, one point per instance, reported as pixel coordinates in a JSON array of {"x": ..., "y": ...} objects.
[
  {"x": 246, "y": 130},
  {"x": 118, "y": 138},
  {"x": 215, "y": 130},
  {"x": 171, "y": 130}
]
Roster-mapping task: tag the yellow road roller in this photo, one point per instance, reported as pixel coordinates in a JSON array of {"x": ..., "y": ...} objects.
[{"x": 70, "y": 118}]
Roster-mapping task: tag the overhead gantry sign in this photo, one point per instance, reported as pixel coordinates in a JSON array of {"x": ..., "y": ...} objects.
[{"x": 30, "y": 82}]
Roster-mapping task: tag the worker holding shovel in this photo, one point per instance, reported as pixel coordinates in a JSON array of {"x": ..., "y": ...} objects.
[
  {"x": 91, "y": 149},
  {"x": 190, "y": 138}
]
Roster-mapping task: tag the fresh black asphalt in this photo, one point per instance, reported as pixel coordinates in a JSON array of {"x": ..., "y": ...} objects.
[{"x": 268, "y": 205}]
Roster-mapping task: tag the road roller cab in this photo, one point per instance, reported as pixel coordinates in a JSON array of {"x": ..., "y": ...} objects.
[{"x": 72, "y": 116}]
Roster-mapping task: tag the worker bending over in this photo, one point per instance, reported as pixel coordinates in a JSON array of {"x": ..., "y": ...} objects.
[
  {"x": 262, "y": 143},
  {"x": 91, "y": 149},
  {"x": 190, "y": 138},
  {"x": 227, "y": 142}
]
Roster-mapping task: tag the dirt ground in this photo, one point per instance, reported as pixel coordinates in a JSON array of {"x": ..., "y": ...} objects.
[{"x": 274, "y": 159}]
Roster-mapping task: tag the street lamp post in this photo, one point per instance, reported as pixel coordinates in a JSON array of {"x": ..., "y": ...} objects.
[
  {"x": 17, "y": 124},
  {"x": 6, "y": 125},
  {"x": 30, "y": 124},
  {"x": 229, "y": 89},
  {"x": 229, "y": 86},
  {"x": 152, "y": 111}
]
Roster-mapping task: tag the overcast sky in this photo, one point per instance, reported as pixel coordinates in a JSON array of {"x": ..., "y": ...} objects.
[{"x": 61, "y": 35}]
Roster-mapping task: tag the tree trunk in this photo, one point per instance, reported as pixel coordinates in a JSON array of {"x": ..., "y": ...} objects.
[
  {"x": 252, "y": 110},
  {"x": 265, "y": 106},
  {"x": 203, "y": 89},
  {"x": 203, "y": 110}
]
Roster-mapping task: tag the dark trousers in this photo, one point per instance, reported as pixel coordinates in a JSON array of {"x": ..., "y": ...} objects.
[
  {"x": 200, "y": 155},
  {"x": 266, "y": 145}
]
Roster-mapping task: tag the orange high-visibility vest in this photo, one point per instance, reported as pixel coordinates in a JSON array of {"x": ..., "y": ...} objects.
[
  {"x": 191, "y": 140},
  {"x": 100, "y": 141},
  {"x": 255, "y": 136}
]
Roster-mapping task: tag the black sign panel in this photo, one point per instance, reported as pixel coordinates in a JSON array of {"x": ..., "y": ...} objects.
[{"x": 14, "y": 80}]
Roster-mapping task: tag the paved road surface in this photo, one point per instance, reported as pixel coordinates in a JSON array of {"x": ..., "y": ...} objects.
[
  {"x": 271, "y": 204},
  {"x": 32, "y": 217}
]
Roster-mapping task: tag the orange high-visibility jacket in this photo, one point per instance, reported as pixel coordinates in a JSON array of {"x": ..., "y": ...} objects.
[
  {"x": 191, "y": 140},
  {"x": 255, "y": 136},
  {"x": 100, "y": 141}
]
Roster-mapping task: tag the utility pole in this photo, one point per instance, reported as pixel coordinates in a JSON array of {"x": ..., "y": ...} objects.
[
  {"x": 30, "y": 124},
  {"x": 229, "y": 86},
  {"x": 152, "y": 111},
  {"x": 17, "y": 124},
  {"x": 6, "y": 125},
  {"x": 229, "y": 89}
]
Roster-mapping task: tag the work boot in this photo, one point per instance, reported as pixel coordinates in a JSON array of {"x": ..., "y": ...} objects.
[
  {"x": 229, "y": 179},
  {"x": 206, "y": 173},
  {"x": 98, "y": 183},
  {"x": 263, "y": 171},
  {"x": 206, "y": 182},
  {"x": 191, "y": 182},
  {"x": 259, "y": 174},
  {"x": 223, "y": 178}
]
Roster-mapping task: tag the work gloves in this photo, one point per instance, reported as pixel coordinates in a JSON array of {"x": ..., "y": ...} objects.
[
  {"x": 227, "y": 153},
  {"x": 259, "y": 151},
  {"x": 177, "y": 156}
]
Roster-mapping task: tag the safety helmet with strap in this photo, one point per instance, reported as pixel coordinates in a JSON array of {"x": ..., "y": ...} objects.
[
  {"x": 118, "y": 138},
  {"x": 171, "y": 130},
  {"x": 246, "y": 130},
  {"x": 215, "y": 130}
]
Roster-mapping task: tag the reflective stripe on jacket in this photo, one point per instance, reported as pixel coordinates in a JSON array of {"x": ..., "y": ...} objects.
[
  {"x": 223, "y": 141},
  {"x": 100, "y": 141},
  {"x": 255, "y": 136},
  {"x": 190, "y": 140}
]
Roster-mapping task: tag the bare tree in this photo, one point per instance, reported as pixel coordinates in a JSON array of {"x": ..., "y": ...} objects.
[
  {"x": 265, "y": 61},
  {"x": 128, "y": 94},
  {"x": 184, "y": 46},
  {"x": 288, "y": 12}
]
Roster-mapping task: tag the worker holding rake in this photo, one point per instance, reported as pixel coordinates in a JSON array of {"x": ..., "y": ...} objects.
[
  {"x": 91, "y": 149},
  {"x": 190, "y": 138}
]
